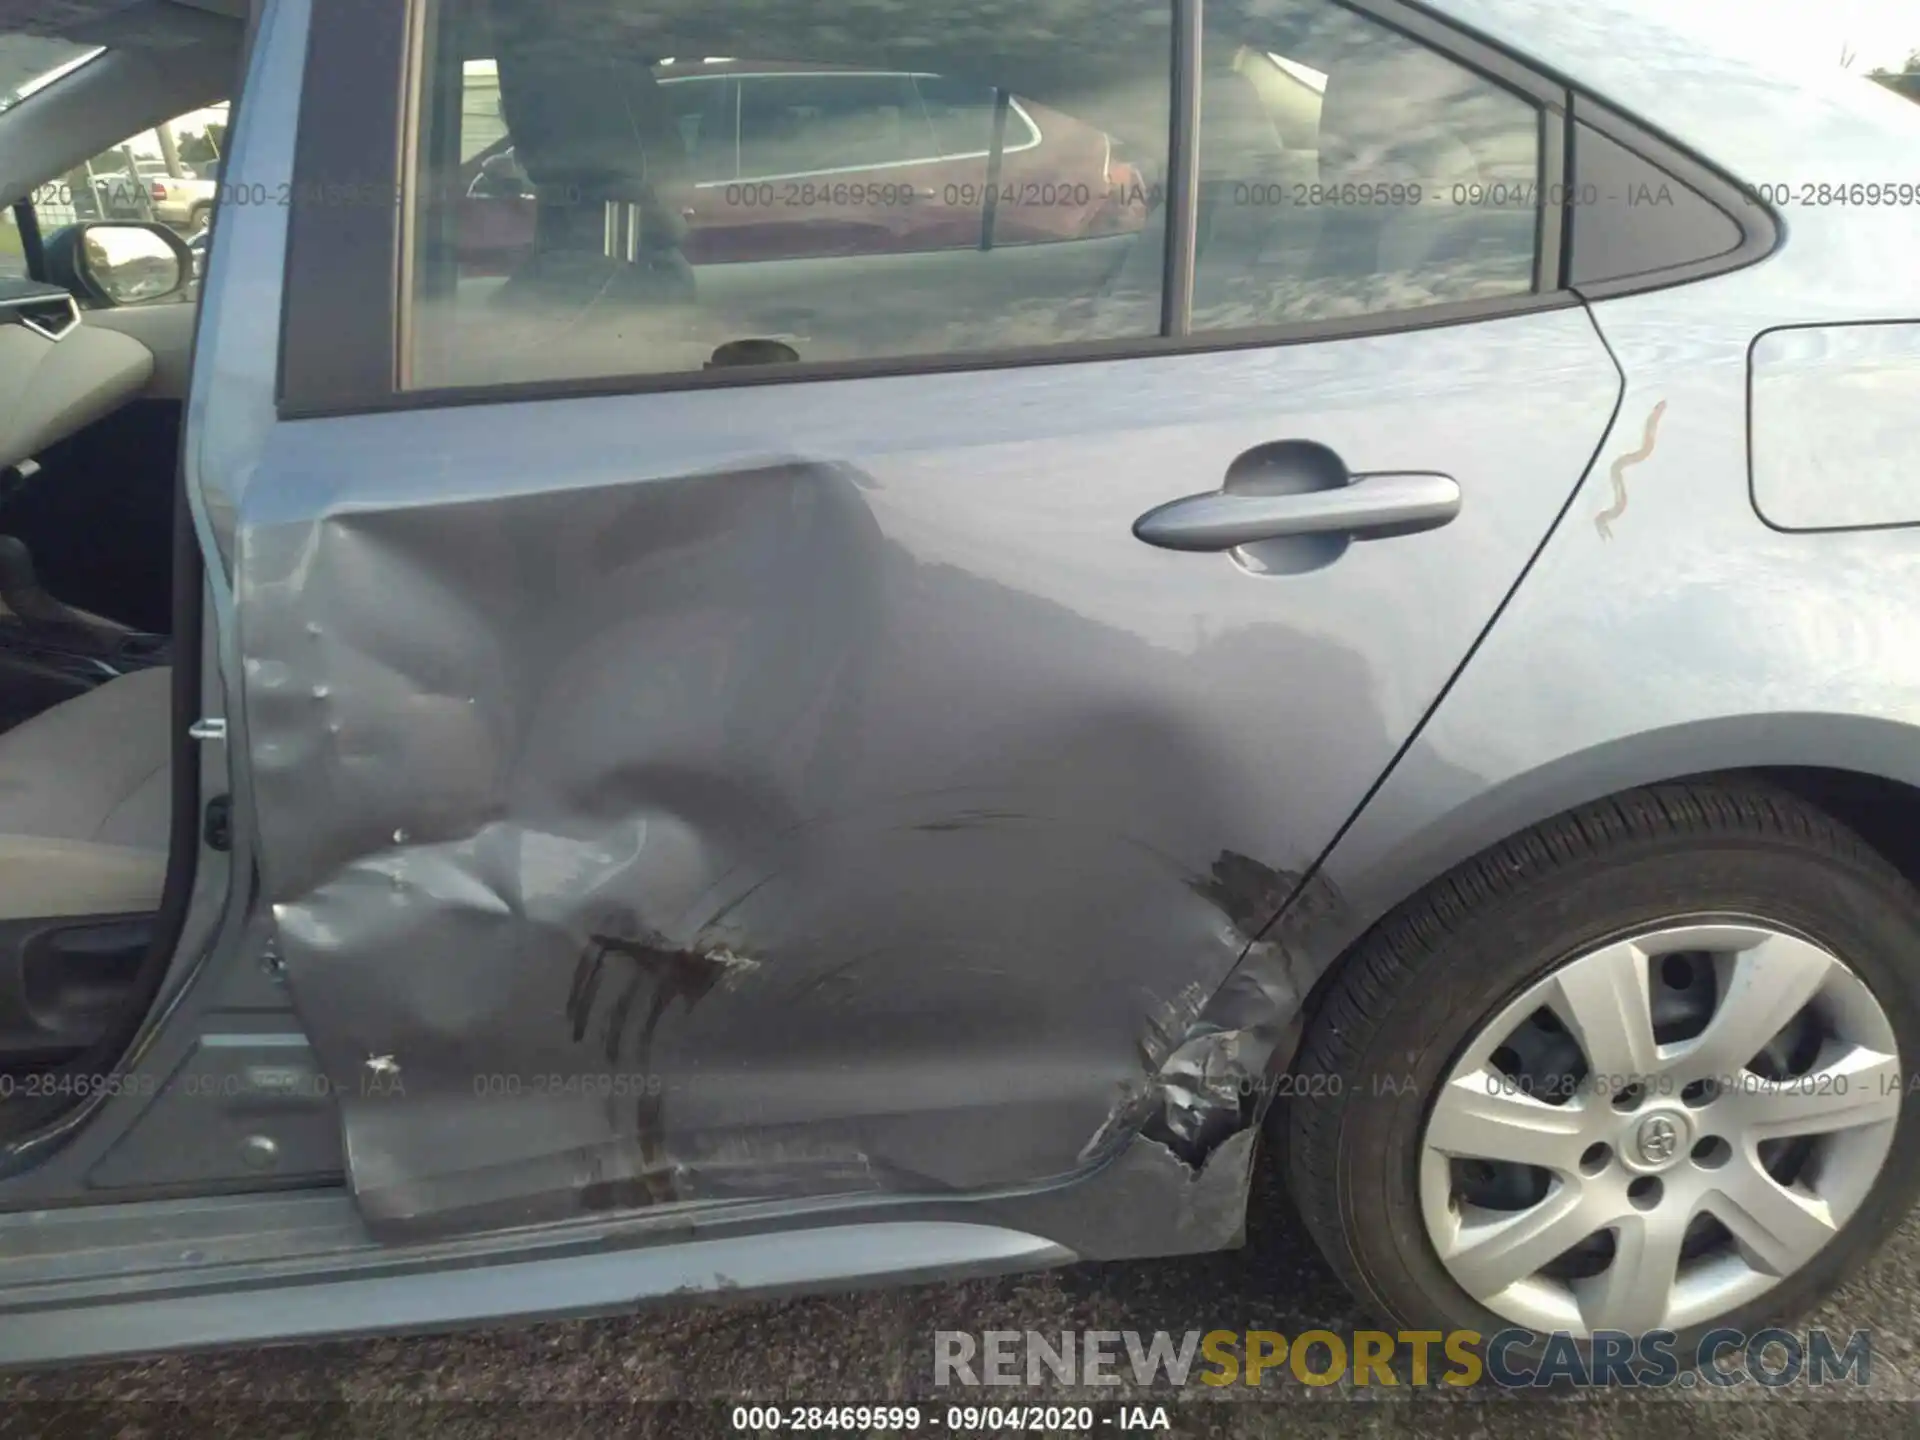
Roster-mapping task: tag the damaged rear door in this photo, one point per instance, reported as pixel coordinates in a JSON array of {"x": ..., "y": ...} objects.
[{"x": 854, "y": 774}]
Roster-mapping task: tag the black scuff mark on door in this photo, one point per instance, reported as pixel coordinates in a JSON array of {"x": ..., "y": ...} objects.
[
  {"x": 1248, "y": 893},
  {"x": 1214, "y": 1078},
  {"x": 970, "y": 820},
  {"x": 644, "y": 962}
]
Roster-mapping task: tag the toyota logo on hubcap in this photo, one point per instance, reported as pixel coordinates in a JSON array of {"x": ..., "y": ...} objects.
[{"x": 1658, "y": 1140}]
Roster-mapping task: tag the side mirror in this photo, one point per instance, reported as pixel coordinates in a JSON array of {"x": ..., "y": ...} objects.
[{"x": 113, "y": 262}]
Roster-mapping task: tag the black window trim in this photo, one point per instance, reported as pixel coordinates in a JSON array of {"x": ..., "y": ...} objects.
[
  {"x": 1550, "y": 244},
  {"x": 339, "y": 313},
  {"x": 1183, "y": 173},
  {"x": 341, "y": 331},
  {"x": 1761, "y": 228}
]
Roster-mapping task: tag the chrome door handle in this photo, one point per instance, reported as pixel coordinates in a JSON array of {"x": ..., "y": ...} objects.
[{"x": 1370, "y": 507}]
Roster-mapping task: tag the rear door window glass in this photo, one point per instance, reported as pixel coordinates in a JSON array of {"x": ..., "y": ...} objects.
[
  {"x": 589, "y": 205},
  {"x": 794, "y": 194},
  {"x": 1347, "y": 169}
]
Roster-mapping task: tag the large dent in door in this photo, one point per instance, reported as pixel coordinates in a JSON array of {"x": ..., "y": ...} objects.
[{"x": 604, "y": 881}]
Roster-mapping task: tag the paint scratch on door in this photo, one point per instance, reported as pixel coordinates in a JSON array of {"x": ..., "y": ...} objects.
[{"x": 1603, "y": 522}]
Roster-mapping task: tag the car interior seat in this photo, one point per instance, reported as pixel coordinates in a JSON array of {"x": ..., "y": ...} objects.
[
  {"x": 86, "y": 800},
  {"x": 85, "y": 783}
]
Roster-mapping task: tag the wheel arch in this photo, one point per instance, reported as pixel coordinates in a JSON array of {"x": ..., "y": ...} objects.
[{"x": 1864, "y": 771}]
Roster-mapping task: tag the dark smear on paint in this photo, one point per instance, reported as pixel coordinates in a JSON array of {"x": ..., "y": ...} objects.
[
  {"x": 644, "y": 961},
  {"x": 1245, "y": 891}
]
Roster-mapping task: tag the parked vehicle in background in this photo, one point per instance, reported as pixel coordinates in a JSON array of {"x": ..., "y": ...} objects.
[
  {"x": 186, "y": 200},
  {"x": 168, "y": 173},
  {"x": 123, "y": 193},
  {"x": 786, "y": 159}
]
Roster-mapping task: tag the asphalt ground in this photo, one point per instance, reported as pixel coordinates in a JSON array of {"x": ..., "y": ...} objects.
[{"x": 595, "y": 1379}]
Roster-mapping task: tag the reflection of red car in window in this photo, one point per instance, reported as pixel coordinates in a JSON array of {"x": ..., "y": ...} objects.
[{"x": 786, "y": 161}]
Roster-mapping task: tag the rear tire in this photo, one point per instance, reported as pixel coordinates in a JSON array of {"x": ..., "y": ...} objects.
[
  {"x": 198, "y": 218},
  {"x": 1422, "y": 995}
]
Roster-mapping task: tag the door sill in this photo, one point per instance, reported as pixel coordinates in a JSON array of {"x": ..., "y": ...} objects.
[{"x": 110, "y": 1280}]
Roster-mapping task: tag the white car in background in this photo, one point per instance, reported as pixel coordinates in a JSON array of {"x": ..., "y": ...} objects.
[
  {"x": 187, "y": 200},
  {"x": 120, "y": 192}
]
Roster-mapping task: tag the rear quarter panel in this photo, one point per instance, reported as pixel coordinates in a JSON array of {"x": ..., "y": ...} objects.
[{"x": 1683, "y": 634}]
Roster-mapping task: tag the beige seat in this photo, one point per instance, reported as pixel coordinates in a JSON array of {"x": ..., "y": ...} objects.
[{"x": 85, "y": 801}]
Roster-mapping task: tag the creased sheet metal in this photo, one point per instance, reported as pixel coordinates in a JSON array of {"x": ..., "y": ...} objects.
[
  {"x": 555, "y": 836},
  {"x": 658, "y": 814}
]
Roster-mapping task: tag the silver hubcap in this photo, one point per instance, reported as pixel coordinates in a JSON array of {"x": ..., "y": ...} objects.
[{"x": 1660, "y": 1130}]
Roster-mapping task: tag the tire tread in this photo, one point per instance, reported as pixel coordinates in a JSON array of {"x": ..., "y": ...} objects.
[{"x": 1387, "y": 961}]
